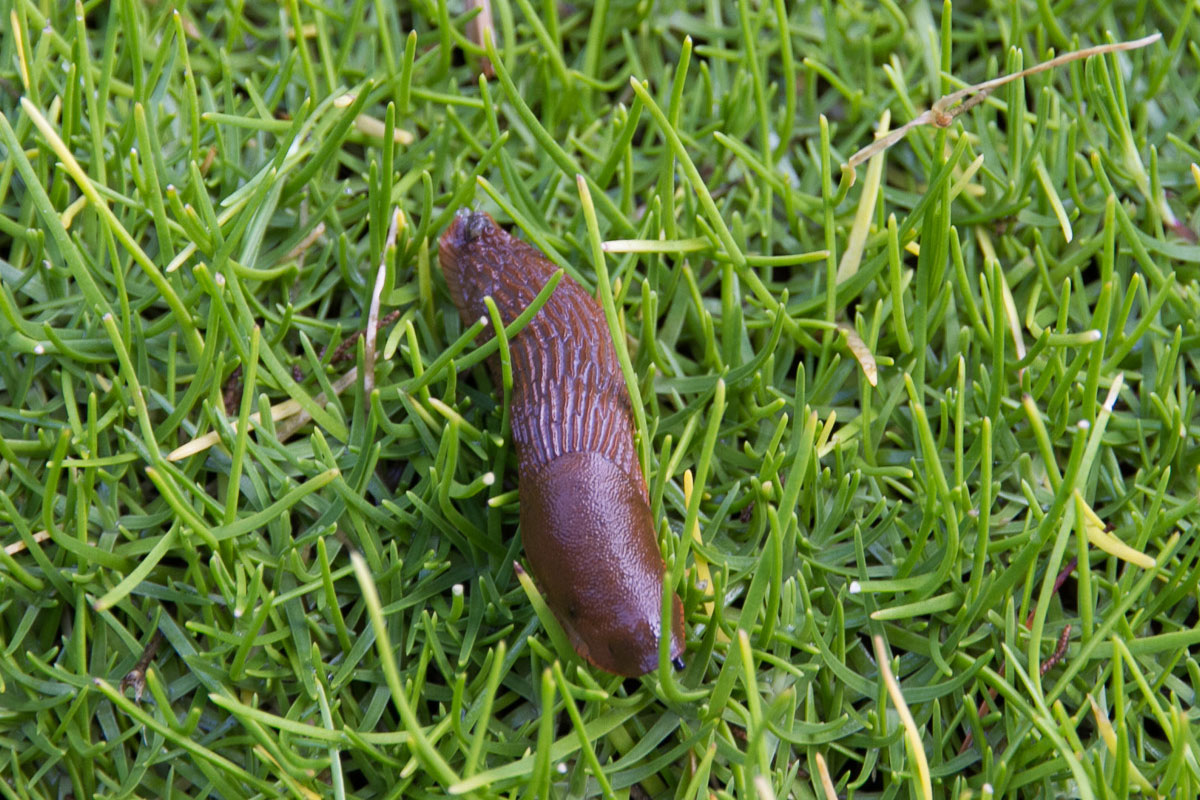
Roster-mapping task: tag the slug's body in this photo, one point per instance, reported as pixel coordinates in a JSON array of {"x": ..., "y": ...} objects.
[{"x": 586, "y": 524}]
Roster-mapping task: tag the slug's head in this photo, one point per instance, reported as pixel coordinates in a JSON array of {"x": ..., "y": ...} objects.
[
  {"x": 468, "y": 227},
  {"x": 589, "y": 537},
  {"x": 474, "y": 251}
]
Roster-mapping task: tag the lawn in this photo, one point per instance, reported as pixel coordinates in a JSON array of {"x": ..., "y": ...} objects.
[{"x": 920, "y": 436}]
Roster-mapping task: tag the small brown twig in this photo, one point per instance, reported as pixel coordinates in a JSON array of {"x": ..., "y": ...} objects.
[
  {"x": 1059, "y": 653},
  {"x": 342, "y": 353},
  {"x": 233, "y": 391},
  {"x": 136, "y": 677}
]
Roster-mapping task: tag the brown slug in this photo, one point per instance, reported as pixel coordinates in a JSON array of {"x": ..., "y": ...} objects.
[{"x": 585, "y": 515}]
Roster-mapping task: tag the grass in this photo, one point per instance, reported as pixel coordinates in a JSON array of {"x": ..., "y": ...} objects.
[{"x": 924, "y": 447}]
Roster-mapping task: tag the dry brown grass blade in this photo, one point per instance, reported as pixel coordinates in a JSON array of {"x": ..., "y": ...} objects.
[
  {"x": 953, "y": 105},
  {"x": 482, "y": 25}
]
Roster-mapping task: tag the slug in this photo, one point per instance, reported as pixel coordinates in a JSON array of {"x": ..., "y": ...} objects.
[{"x": 585, "y": 518}]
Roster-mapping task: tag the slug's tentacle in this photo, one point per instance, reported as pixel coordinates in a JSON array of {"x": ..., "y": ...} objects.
[{"x": 585, "y": 516}]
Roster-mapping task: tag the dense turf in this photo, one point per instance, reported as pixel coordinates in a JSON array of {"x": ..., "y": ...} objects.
[{"x": 945, "y": 416}]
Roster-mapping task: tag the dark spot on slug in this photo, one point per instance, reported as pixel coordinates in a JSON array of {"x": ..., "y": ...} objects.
[{"x": 586, "y": 524}]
